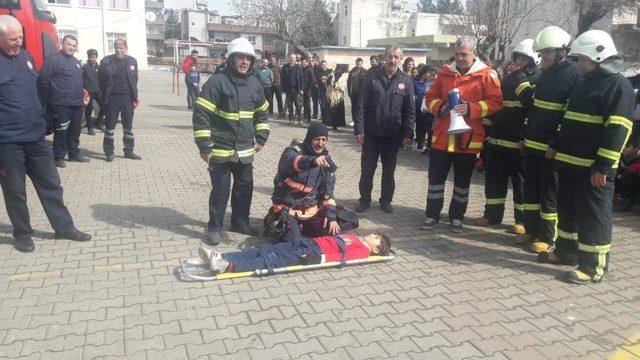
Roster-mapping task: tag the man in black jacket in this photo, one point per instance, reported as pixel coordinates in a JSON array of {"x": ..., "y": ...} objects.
[
  {"x": 385, "y": 120},
  {"x": 92, "y": 86},
  {"x": 308, "y": 83},
  {"x": 354, "y": 83},
  {"x": 60, "y": 87},
  {"x": 23, "y": 150},
  {"x": 119, "y": 85},
  {"x": 292, "y": 85}
]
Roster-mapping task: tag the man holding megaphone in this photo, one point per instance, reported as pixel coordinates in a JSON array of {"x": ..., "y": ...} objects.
[{"x": 464, "y": 92}]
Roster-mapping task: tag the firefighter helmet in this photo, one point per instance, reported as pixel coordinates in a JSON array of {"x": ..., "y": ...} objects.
[
  {"x": 525, "y": 47},
  {"x": 597, "y": 45},
  {"x": 240, "y": 46},
  {"x": 551, "y": 37}
]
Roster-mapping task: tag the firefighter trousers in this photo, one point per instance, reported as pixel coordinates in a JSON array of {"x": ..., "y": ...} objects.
[
  {"x": 540, "y": 192},
  {"x": 119, "y": 105},
  {"x": 440, "y": 163},
  {"x": 221, "y": 190},
  {"x": 500, "y": 167},
  {"x": 585, "y": 220}
]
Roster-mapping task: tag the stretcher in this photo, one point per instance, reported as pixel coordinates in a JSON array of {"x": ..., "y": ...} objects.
[{"x": 197, "y": 269}]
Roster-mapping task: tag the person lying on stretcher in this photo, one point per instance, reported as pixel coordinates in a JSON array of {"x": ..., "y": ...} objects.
[{"x": 297, "y": 249}]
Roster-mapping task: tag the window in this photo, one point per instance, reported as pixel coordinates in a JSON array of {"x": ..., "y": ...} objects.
[
  {"x": 345, "y": 10},
  {"x": 62, "y": 33},
  {"x": 111, "y": 37},
  {"x": 58, "y": 2},
  {"x": 252, "y": 39},
  {"x": 267, "y": 39},
  {"x": 90, "y": 3},
  {"x": 119, "y": 4}
]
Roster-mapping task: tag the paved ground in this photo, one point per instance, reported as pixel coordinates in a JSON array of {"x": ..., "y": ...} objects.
[{"x": 475, "y": 295}]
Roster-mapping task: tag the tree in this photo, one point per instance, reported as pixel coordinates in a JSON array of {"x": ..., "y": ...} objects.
[
  {"x": 440, "y": 6},
  {"x": 427, "y": 6},
  {"x": 301, "y": 23},
  {"x": 590, "y": 11}
]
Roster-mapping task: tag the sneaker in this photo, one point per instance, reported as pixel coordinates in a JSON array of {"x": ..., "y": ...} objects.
[
  {"x": 245, "y": 229},
  {"x": 24, "y": 244},
  {"x": 539, "y": 246},
  {"x": 456, "y": 226},
  {"x": 362, "y": 207},
  {"x": 73, "y": 234},
  {"x": 429, "y": 224},
  {"x": 483, "y": 221},
  {"x": 60, "y": 163},
  {"x": 386, "y": 207},
  {"x": 579, "y": 277},
  {"x": 109, "y": 158},
  {"x": 517, "y": 229},
  {"x": 78, "y": 158},
  {"x": 217, "y": 264},
  {"x": 131, "y": 155},
  {"x": 91, "y": 132},
  {"x": 215, "y": 237}
]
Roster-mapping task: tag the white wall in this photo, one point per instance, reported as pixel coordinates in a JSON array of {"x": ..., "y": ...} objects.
[{"x": 88, "y": 23}]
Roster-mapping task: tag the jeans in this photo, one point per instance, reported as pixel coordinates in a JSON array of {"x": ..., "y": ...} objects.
[
  {"x": 119, "y": 105},
  {"x": 67, "y": 121},
  {"x": 241, "y": 193},
  {"x": 192, "y": 94},
  {"x": 272, "y": 256}
]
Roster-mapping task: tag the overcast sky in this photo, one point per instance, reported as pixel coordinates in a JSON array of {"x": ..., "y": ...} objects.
[{"x": 224, "y": 6}]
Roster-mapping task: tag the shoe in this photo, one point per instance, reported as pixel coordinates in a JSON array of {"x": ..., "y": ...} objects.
[
  {"x": 131, "y": 155},
  {"x": 78, "y": 158},
  {"x": 539, "y": 246},
  {"x": 578, "y": 277},
  {"x": 429, "y": 224},
  {"x": 24, "y": 244},
  {"x": 523, "y": 239},
  {"x": 216, "y": 263},
  {"x": 362, "y": 207},
  {"x": 109, "y": 158},
  {"x": 483, "y": 221},
  {"x": 517, "y": 229},
  {"x": 426, "y": 151},
  {"x": 550, "y": 257},
  {"x": 91, "y": 132},
  {"x": 419, "y": 147},
  {"x": 386, "y": 207},
  {"x": 245, "y": 229},
  {"x": 74, "y": 234},
  {"x": 215, "y": 237},
  {"x": 100, "y": 127},
  {"x": 280, "y": 116},
  {"x": 456, "y": 226},
  {"x": 60, "y": 163}
]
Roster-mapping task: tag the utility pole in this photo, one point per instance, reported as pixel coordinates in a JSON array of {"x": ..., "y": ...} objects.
[
  {"x": 496, "y": 54},
  {"x": 105, "y": 47}
]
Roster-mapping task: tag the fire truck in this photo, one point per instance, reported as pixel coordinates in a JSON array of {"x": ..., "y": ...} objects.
[{"x": 38, "y": 24}]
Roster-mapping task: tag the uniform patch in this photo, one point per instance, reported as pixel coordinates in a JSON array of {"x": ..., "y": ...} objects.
[
  {"x": 132, "y": 67},
  {"x": 29, "y": 64},
  {"x": 401, "y": 86}
]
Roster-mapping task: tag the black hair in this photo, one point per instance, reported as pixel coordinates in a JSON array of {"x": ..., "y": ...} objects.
[
  {"x": 194, "y": 52},
  {"x": 373, "y": 57},
  {"x": 451, "y": 59},
  {"x": 359, "y": 60},
  {"x": 384, "y": 249},
  {"x": 120, "y": 40},
  {"x": 91, "y": 52},
  {"x": 69, "y": 37}
]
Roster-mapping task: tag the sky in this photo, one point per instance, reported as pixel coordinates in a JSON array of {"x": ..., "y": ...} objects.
[{"x": 224, "y": 6}]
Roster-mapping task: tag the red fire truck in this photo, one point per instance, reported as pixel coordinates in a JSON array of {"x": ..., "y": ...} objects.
[{"x": 40, "y": 34}]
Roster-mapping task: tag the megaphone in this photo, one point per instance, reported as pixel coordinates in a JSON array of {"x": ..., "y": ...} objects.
[{"x": 457, "y": 125}]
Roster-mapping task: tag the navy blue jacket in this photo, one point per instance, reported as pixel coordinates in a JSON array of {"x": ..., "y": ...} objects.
[
  {"x": 21, "y": 117},
  {"x": 106, "y": 75},
  {"x": 192, "y": 77},
  {"x": 60, "y": 80},
  {"x": 386, "y": 106},
  {"x": 292, "y": 78}
]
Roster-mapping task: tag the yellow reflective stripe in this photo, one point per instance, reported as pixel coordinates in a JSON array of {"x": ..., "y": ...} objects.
[
  {"x": 264, "y": 107},
  {"x": 487, "y": 122},
  {"x": 434, "y": 138},
  {"x": 221, "y": 153},
  {"x": 504, "y": 143},
  {"x": 201, "y": 133},
  {"x": 549, "y": 105},
  {"x": 535, "y": 145},
  {"x": 245, "y": 153},
  {"x": 475, "y": 145},
  {"x": 595, "y": 249},
  {"x": 261, "y": 126},
  {"x": 609, "y": 154},
  {"x": 570, "y": 159},
  {"x": 433, "y": 102},
  {"x": 521, "y": 87},
  {"x": 567, "y": 235},
  {"x": 531, "y": 207},
  {"x": 526, "y": 120},
  {"x": 549, "y": 216},
  {"x": 452, "y": 144},
  {"x": 512, "y": 104},
  {"x": 591, "y": 119},
  {"x": 485, "y": 108},
  {"x": 519, "y": 207},
  {"x": 228, "y": 115},
  {"x": 246, "y": 114},
  {"x": 619, "y": 120},
  {"x": 206, "y": 104},
  {"x": 602, "y": 262},
  {"x": 496, "y": 201}
]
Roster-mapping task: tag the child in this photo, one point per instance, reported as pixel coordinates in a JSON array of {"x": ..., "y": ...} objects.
[
  {"x": 193, "y": 81},
  {"x": 298, "y": 250}
]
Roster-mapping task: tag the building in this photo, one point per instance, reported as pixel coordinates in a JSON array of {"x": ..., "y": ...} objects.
[
  {"x": 156, "y": 27},
  {"x": 362, "y": 20},
  {"x": 97, "y": 23}
]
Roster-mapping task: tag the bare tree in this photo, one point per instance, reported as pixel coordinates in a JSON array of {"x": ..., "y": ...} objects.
[
  {"x": 301, "y": 23},
  {"x": 590, "y": 11}
]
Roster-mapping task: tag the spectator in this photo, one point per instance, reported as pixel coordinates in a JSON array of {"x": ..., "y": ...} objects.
[
  {"x": 315, "y": 93},
  {"x": 292, "y": 85},
  {"x": 222, "y": 64},
  {"x": 335, "y": 99},
  {"x": 192, "y": 80},
  {"x": 321, "y": 81},
  {"x": 424, "y": 119},
  {"x": 189, "y": 61},
  {"x": 408, "y": 66},
  {"x": 373, "y": 61},
  {"x": 308, "y": 84},
  {"x": 265, "y": 75},
  {"x": 274, "y": 65},
  {"x": 354, "y": 84},
  {"x": 628, "y": 178},
  {"x": 91, "y": 84}
]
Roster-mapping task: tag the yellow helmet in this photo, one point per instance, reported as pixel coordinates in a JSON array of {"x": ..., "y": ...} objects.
[
  {"x": 551, "y": 37},
  {"x": 597, "y": 45}
]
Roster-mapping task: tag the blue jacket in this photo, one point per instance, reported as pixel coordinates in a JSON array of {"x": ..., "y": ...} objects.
[
  {"x": 60, "y": 80},
  {"x": 193, "y": 77},
  {"x": 420, "y": 87},
  {"x": 292, "y": 78},
  {"x": 386, "y": 106},
  {"x": 21, "y": 117}
]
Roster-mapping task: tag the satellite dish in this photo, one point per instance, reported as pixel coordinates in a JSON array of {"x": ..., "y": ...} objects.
[{"x": 150, "y": 16}]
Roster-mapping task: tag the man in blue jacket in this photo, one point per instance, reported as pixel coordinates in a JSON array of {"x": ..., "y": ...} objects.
[
  {"x": 385, "y": 119},
  {"x": 23, "y": 150},
  {"x": 60, "y": 87}
]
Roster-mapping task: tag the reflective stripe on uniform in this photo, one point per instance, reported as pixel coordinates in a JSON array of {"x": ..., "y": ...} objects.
[
  {"x": 535, "y": 145},
  {"x": 245, "y": 153},
  {"x": 201, "y": 134},
  {"x": 221, "y": 153},
  {"x": 567, "y": 235},
  {"x": 586, "y": 118},
  {"x": 261, "y": 126},
  {"x": 594, "y": 249},
  {"x": 476, "y": 145},
  {"x": 519, "y": 207},
  {"x": 570, "y": 159},
  {"x": 485, "y": 108},
  {"x": 206, "y": 104},
  {"x": 228, "y": 115},
  {"x": 504, "y": 143},
  {"x": 487, "y": 122},
  {"x": 264, "y": 107},
  {"x": 619, "y": 120},
  {"x": 522, "y": 87},
  {"x": 499, "y": 201},
  {"x": 431, "y": 105},
  {"x": 609, "y": 154},
  {"x": 452, "y": 144},
  {"x": 549, "y": 216},
  {"x": 549, "y": 105},
  {"x": 511, "y": 104},
  {"x": 531, "y": 207},
  {"x": 246, "y": 114}
]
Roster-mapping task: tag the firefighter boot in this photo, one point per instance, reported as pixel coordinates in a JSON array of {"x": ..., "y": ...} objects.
[
  {"x": 523, "y": 239},
  {"x": 578, "y": 277},
  {"x": 517, "y": 229},
  {"x": 539, "y": 246},
  {"x": 483, "y": 221},
  {"x": 553, "y": 257}
]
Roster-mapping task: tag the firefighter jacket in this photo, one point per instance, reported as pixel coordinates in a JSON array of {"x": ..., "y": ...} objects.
[
  {"x": 297, "y": 177},
  {"x": 547, "y": 104},
  {"x": 506, "y": 128},
  {"x": 596, "y": 125},
  {"x": 231, "y": 114},
  {"x": 480, "y": 88}
]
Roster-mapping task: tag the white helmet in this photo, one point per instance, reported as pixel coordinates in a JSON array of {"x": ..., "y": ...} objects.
[
  {"x": 551, "y": 37},
  {"x": 525, "y": 47},
  {"x": 240, "y": 46},
  {"x": 597, "y": 45}
]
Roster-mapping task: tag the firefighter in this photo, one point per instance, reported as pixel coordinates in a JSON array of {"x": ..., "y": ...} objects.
[
  {"x": 595, "y": 129},
  {"x": 230, "y": 124},
  {"x": 504, "y": 156},
  {"x": 547, "y": 104},
  {"x": 479, "y": 88}
]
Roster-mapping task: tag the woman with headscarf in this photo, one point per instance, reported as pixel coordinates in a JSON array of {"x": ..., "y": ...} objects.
[{"x": 335, "y": 83}]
